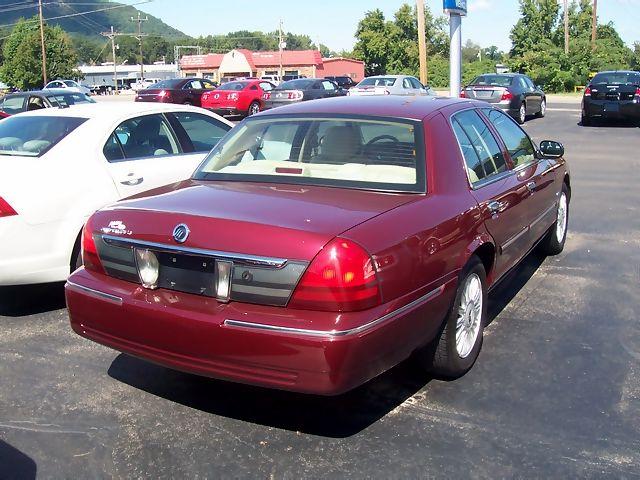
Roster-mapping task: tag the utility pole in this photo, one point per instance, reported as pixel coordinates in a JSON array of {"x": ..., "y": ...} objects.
[
  {"x": 44, "y": 51},
  {"x": 280, "y": 48},
  {"x": 139, "y": 37},
  {"x": 112, "y": 36},
  {"x": 594, "y": 22},
  {"x": 566, "y": 27},
  {"x": 422, "y": 42}
]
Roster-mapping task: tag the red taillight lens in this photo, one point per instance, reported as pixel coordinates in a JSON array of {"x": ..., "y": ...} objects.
[
  {"x": 462, "y": 94},
  {"x": 341, "y": 278},
  {"x": 266, "y": 96},
  {"x": 6, "y": 210},
  {"x": 587, "y": 92},
  {"x": 90, "y": 257},
  {"x": 637, "y": 91},
  {"x": 507, "y": 95},
  {"x": 232, "y": 96}
]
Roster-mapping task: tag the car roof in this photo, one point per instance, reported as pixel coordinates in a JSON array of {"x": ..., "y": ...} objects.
[
  {"x": 113, "y": 109},
  {"x": 414, "y": 107},
  {"x": 389, "y": 76},
  {"x": 57, "y": 91}
]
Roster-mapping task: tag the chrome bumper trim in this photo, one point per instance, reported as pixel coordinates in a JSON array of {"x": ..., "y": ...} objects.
[
  {"x": 234, "y": 257},
  {"x": 93, "y": 293},
  {"x": 335, "y": 333}
]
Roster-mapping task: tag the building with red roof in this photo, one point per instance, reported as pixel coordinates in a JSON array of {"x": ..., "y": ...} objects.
[{"x": 245, "y": 63}]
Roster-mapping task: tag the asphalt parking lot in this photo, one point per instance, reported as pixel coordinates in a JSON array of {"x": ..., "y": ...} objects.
[{"x": 555, "y": 392}]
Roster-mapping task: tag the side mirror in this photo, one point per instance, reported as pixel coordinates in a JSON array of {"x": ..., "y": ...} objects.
[{"x": 551, "y": 149}]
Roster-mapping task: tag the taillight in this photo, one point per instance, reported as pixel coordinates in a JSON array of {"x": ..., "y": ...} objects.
[
  {"x": 232, "y": 96},
  {"x": 90, "y": 257},
  {"x": 295, "y": 95},
  {"x": 6, "y": 210},
  {"x": 266, "y": 96},
  {"x": 507, "y": 95},
  {"x": 462, "y": 94},
  {"x": 340, "y": 278},
  {"x": 587, "y": 92},
  {"x": 637, "y": 91}
]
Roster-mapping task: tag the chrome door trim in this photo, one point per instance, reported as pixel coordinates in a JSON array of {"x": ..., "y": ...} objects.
[
  {"x": 335, "y": 333},
  {"x": 544, "y": 214},
  {"x": 515, "y": 238},
  {"x": 234, "y": 257}
]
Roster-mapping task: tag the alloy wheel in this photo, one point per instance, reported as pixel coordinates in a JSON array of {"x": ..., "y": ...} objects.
[
  {"x": 469, "y": 315},
  {"x": 561, "y": 220}
]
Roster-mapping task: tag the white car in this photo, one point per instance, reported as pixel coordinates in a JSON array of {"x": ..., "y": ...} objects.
[
  {"x": 390, "y": 85},
  {"x": 61, "y": 164},
  {"x": 146, "y": 83},
  {"x": 69, "y": 85}
]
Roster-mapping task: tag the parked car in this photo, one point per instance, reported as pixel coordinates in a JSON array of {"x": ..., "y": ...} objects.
[
  {"x": 70, "y": 85},
  {"x": 300, "y": 90},
  {"x": 514, "y": 93},
  {"x": 55, "y": 97},
  {"x": 187, "y": 91},
  {"x": 60, "y": 165},
  {"x": 3, "y": 115},
  {"x": 320, "y": 244},
  {"x": 612, "y": 95},
  {"x": 390, "y": 85},
  {"x": 343, "y": 81},
  {"x": 237, "y": 98},
  {"x": 275, "y": 79},
  {"x": 286, "y": 78},
  {"x": 144, "y": 83}
]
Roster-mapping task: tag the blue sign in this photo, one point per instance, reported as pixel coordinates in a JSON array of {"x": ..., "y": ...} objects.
[{"x": 458, "y": 7}]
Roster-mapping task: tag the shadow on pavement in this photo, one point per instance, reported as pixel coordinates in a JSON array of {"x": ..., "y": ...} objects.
[
  {"x": 337, "y": 417},
  {"x": 21, "y": 300},
  {"x": 15, "y": 465}
]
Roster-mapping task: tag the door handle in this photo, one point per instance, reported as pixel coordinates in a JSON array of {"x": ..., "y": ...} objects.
[
  {"x": 531, "y": 186},
  {"x": 132, "y": 181},
  {"x": 496, "y": 207}
]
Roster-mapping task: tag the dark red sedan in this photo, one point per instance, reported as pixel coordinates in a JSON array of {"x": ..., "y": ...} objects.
[
  {"x": 243, "y": 97},
  {"x": 316, "y": 248},
  {"x": 187, "y": 91}
]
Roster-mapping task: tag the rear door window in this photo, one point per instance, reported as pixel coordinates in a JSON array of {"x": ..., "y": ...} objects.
[
  {"x": 481, "y": 152},
  {"x": 202, "y": 131},
  {"x": 518, "y": 143},
  {"x": 142, "y": 137},
  {"x": 13, "y": 105}
]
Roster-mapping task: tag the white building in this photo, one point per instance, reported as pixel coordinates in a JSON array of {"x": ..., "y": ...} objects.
[{"x": 96, "y": 76}]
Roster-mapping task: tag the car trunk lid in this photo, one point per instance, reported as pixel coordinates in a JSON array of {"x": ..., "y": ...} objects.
[
  {"x": 613, "y": 92},
  {"x": 486, "y": 93}
]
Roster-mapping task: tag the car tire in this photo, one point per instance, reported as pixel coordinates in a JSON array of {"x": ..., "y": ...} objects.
[
  {"x": 188, "y": 102},
  {"x": 455, "y": 349},
  {"x": 543, "y": 109},
  {"x": 522, "y": 113},
  {"x": 553, "y": 242},
  {"x": 76, "y": 257},
  {"x": 585, "y": 121},
  {"x": 254, "y": 108}
]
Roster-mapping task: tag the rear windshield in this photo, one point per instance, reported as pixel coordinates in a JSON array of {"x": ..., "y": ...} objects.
[
  {"x": 301, "y": 83},
  {"x": 493, "y": 80},
  {"x": 348, "y": 152},
  {"x": 173, "y": 83},
  {"x": 232, "y": 86},
  {"x": 31, "y": 136},
  {"x": 377, "y": 82},
  {"x": 68, "y": 99},
  {"x": 617, "y": 78}
]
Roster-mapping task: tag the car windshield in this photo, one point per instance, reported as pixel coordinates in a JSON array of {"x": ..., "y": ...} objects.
[
  {"x": 617, "y": 78},
  {"x": 232, "y": 86},
  {"x": 299, "y": 84},
  {"x": 344, "y": 152},
  {"x": 31, "y": 136},
  {"x": 173, "y": 83},
  {"x": 493, "y": 80},
  {"x": 68, "y": 99},
  {"x": 377, "y": 82}
]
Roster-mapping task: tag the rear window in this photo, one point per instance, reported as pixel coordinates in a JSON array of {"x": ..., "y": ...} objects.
[
  {"x": 377, "y": 82},
  {"x": 173, "y": 83},
  {"x": 367, "y": 153},
  {"x": 68, "y": 99},
  {"x": 232, "y": 86},
  {"x": 493, "y": 80},
  {"x": 617, "y": 78},
  {"x": 31, "y": 136},
  {"x": 12, "y": 105}
]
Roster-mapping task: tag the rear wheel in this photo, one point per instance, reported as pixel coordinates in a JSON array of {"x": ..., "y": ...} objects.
[
  {"x": 553, "y": 242},
  {"x": 456, "y": 348},
  {"x": 543, "y": 109},
  {"x": 253, "y": 108},
  {"x": 585, "y": 120},
  {"x": 522, "y": 114},
  {"x": 76, "y": 257}
]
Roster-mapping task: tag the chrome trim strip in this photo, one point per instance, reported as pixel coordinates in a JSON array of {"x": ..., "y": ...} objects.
[
  {"x": 234, "y": 257},
  {"x": 94, "y": 293},
  {"x": 544, "y": 214},
  {"x": 336, "y": 333},
  {"x": 513, "y": 239}
]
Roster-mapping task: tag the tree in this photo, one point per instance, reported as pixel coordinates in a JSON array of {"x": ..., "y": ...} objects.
[
  {"x": 23, "y": 58},
  {"x": 373, "y": 46},
  {"x": 537, "y": 23},
  {"x": 635, "y": 58}
]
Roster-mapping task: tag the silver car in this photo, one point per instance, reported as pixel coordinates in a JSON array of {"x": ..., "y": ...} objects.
[{"x": 390, "y": 85}]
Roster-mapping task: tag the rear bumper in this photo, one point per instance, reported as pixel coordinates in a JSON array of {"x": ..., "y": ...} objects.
[
  {"x": 249, "y": 343},
  {"x": 627, "y": 109},
  {"x": 225, "y": 110}
]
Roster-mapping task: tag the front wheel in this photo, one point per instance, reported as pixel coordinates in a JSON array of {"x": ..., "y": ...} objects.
[
  {"x": 555, "y": 238},
  {"x": 454, "y": 351},
  {"x": 543, "y": 109}
]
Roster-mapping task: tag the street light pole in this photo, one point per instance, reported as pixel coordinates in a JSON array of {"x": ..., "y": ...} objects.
[
  {"x": 455, "y": 68},
  {"x": 44, "y": 51}
]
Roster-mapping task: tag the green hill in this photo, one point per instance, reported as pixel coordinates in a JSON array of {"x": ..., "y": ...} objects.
[{"x": 103, "y": 15}]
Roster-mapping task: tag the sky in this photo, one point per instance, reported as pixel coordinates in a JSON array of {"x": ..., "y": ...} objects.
[{"x": 333, "y": 22}]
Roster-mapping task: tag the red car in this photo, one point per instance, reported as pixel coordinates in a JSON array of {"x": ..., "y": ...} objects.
[
  {"x": 3, "y": 115},
  {"x": 187, "y": 91},
  {"x": 243, "y": 97},
  {"x": 315, "y": 247}
]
